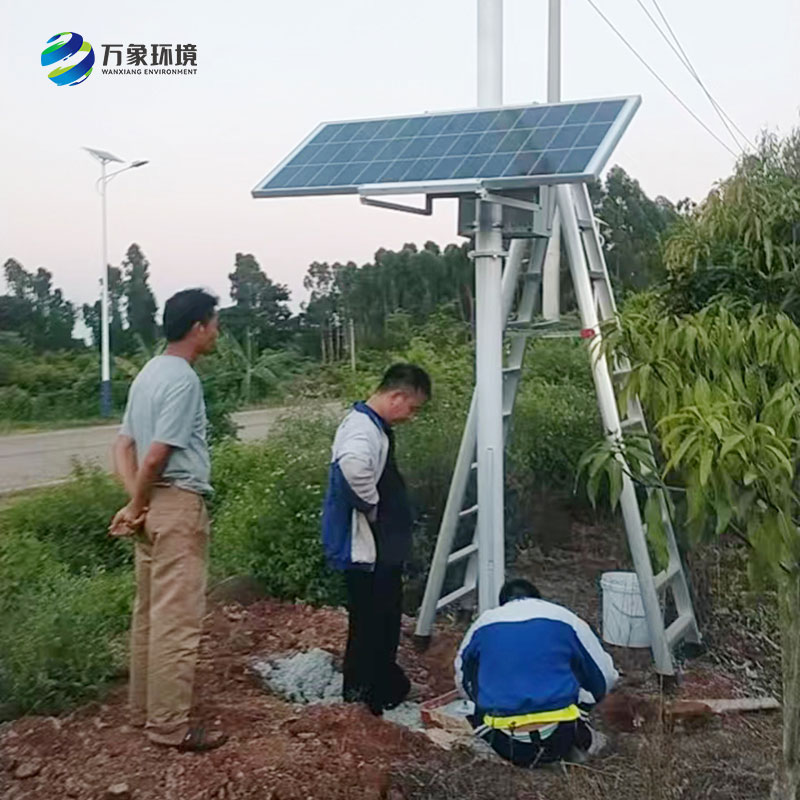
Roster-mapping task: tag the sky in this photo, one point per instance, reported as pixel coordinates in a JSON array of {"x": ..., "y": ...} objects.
[{"x": 269, "y": 72}]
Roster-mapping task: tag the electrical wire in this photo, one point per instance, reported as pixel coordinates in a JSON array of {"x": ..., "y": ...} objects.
[
  {"x": 684, "y": 59},
  {"x": 669, "y": 28},
  {"x": 658, "y": 77}
]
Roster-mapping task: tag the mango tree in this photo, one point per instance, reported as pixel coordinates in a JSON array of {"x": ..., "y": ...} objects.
[
  {"x": 724, "y": 393},
  {"x": 715, "y": 359}
]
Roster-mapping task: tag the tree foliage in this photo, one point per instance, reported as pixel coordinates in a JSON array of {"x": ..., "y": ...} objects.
[
  {"x": 131, "y": 306},
  {"x": 260, "y": 315},
  {"x": 140, "y": 303},
  {"x": 743, "y": 242},
  {"x": 411, "y": 281},
  {"x": 633, "y": 228},
  {"x": 724, "y": 391},
  {"x": 118, "y": 336},
  {"x": 36, "y": 310},
  {"x": 716, "y": 362}
]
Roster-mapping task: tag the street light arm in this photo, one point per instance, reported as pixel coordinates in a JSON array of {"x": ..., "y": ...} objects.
[{"x": 108, "y": 177}]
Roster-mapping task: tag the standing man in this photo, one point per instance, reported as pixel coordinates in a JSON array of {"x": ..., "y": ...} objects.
[
  {"x": 528, "y": 665},
  {"x": 366, "y": 532},
  {"x": 162, "y": 457}
]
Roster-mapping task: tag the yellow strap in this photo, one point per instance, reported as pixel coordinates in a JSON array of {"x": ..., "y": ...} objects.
[{"x": 538, "y": 718}]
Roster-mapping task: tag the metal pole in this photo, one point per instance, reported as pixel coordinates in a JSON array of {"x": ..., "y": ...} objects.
[
  {"x": 463, "y": 467},
  {"x": 352, "y": 345},
  {"x": 554, "y": 52},
  {"x": 551, "y": 272},
  {"x": 490, "y": 52},
  {"x": 105, "y": 358},
  {"x": 489, "y": 332}
]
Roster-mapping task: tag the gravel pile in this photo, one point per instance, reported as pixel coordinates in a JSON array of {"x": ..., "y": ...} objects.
[
  {"x": 311, "y": 677},
  {"x": 308, "y": 677}
]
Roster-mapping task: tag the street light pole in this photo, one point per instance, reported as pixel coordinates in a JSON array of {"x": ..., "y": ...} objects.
[
  {"x": 105, "y": 351},
  {"x": 105, "y": 158}
]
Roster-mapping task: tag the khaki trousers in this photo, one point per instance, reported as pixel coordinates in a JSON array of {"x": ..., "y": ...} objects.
[{"x": 168, "y": 612}]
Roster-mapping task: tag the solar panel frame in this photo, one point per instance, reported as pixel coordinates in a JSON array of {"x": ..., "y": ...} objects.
[{"x": 339, "y": 135}]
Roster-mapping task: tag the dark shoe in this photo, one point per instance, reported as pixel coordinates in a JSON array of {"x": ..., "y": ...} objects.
[
  {"x": 198, "y": 740},
  {"x": 361, "y": 695},
  {"x": 398, "y": 691}
]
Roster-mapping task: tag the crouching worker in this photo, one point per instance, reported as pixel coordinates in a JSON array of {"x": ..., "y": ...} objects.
[
  {"x": 366, "y": 531},
  {"x": 527, "y": 665}
]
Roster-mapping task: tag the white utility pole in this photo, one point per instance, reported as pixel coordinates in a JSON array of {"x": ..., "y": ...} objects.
[
  {"x": 352, "y": 328},
  {"x": 105, "y": 158},
  {"x": 105, "y": 351},
  {"x": 489, "y": 332},
  {"x": 551, "y": 271}
]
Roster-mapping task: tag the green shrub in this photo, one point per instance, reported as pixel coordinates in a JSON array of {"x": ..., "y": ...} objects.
[
  {"x": 550, "y": 361},
  {"x": 73, "y": 519},
  {"x": 554, "y": 425},
  {"x": 25, "y": 562},
  {"x": 266, "y": 517},
  {"x": 62, "y": 641},
  {"x": 15, "y": 404},
  {"x": 61, "y": 613}
]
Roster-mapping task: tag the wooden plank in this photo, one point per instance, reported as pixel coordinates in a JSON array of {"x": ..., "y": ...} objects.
[{"x": 742, "y": 704}]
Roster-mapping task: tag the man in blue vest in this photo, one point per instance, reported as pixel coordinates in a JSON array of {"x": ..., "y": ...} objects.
[
  {"x": 532, "y": 668},
  {"x": 366, "y": 532}
]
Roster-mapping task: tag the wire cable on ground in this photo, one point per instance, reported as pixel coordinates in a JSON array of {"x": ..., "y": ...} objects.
[{"x": 658, "y": 77}]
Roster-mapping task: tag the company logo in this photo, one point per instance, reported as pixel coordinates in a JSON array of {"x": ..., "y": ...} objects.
[{"x": 77, "y": 55}]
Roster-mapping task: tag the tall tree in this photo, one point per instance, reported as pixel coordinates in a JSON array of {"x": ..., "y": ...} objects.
[
  {"x": 633, "y": 226},
  {"x": 322, "y": 311},
  {"x": 140, "y": 302},
  {"x": 120, "y": 341},
  {"x": 410, "y": 282},
  {"x": 39, "y": 313},
  {"x": 18, "y": 278},
  {"x": 260, "y": 314}
]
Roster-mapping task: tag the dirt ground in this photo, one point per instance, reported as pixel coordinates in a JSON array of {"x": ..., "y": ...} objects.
[{"x": 280, "y": 751}]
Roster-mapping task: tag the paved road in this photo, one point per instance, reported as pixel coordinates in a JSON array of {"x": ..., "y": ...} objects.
[{"x": 28, "y": 460}]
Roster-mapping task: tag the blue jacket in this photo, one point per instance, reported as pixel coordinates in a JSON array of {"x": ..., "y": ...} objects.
[
  {"x": 365, "y": 517},
  {"x": 529, "y": 656}
]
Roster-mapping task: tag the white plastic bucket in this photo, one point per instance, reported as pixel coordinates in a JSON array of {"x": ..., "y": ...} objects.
[{"x": 624, "y": 622}]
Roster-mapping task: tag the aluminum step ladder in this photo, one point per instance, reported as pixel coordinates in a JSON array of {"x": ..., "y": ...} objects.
[{"x": 596, "y": 303}]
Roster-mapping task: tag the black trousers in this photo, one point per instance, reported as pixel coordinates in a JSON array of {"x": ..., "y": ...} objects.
[
  {"x": 534, "y": 751},
  {"x": 374, "y": 606}
]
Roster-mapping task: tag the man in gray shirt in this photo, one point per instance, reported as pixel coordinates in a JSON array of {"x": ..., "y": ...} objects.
[{"x": 161, "y": 456}]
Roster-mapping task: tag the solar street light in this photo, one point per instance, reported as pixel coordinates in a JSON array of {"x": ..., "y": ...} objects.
[{"x": 105, "y": 158}]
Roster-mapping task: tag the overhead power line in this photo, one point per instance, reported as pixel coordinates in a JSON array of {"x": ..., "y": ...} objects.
[
  {"x": 658, "y": 77},
  {"x": 682, "y": 56}
]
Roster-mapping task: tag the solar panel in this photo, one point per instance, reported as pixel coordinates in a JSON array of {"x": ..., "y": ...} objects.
[{"x": 452, "y": 153}]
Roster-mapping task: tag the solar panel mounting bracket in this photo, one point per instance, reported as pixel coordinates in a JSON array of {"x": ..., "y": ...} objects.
[
  {"x": 504, "y": 200},
  {"x": 425, "y": 212},
  {"x": 473, "y": 254}
]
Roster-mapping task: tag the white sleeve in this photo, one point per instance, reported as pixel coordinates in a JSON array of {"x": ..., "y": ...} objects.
[
  {"x": 592, "y": 645},
  {"x": 458, "y": 665},
  {"x": 358, "y": 465}
]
